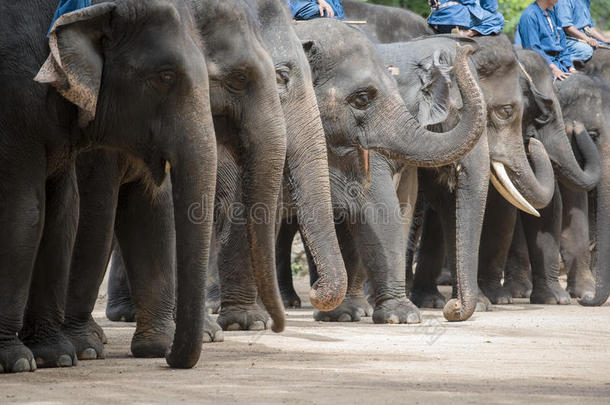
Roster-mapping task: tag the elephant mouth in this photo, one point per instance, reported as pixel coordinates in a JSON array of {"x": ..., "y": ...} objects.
[{"x": 506, "y": 188}]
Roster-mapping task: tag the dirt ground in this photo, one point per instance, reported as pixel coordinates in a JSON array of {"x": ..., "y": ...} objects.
[{"x": 515, "y": 354}]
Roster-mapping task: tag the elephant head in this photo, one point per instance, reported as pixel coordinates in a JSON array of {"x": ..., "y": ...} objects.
[
  {"x": 136, "y": 74},
  {"x": 543, "y": 119},
  {"x": 586, "y": 99},
  {"x": 249, "y": 122},
  {"x": 306, "y": 170},
  {"x": 361, "y": 106}
]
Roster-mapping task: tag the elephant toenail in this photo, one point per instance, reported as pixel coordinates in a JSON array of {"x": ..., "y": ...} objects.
[
  {"x": 393, "y": 319},
  {"x": 233, "y": 327},
  {"x": 33, "y": 365},
  {"x": 344, "y": 318},
  {"x": 21, "y": 365},
  {"x": 257, "y": 325},
  {"x": 219, "y": 337},
  {"x": 88, "y": 354},
  {"x": 207, "y": 338},
  {"x": 64, "y": 361},
  {"x": 413, "y": 318}
]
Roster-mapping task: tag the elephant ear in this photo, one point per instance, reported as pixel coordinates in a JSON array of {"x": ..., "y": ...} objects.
[
  {"x": 542, "y": 106},
  {"x": 434, "y": 98},
  {"x": 311, "y": 50},
  {"x": 75, "y": 63}
]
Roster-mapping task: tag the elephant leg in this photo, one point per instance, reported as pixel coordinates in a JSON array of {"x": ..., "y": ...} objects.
[
  {"x": 212, "y": 286},
  {"x": 283, "y": 249},
  {"x": 518, "y": 270},
  {"x": 381, "y": 239},
  {"x": 22, "y": 209},
  {"x": 99, "y": 177},
  {"x": 355, "y": 305},
  {"x": 542, "y": 236},
  {"x": 239, "y": 309},
  {"x": 145, "y": 232},
  {"x": 120, "y": 307},
  {"x": 496, "y": 237},
  {"x": 430, "y": 260},
  {"x": 575, "y": 242},
  {"x": 41, "y": 331}
]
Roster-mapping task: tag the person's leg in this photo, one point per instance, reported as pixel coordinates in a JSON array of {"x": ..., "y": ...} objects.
[{"x": 579, "y": 50}]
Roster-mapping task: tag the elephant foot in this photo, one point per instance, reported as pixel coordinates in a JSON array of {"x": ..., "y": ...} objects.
[
  {"x": 15, "y": 357},
  {"x": 49, "y": 346},
  {"x": 582, "y": 285},
  {"x": 483, "y": 303},
  {"x": 290, "y": 298},
  {"x": 212, "y": 332},
  {"x": 242, "y": 317},
  {"x": 445, "y": 277},
  {"x": 121, "y": 310},
  {"x": 87, "y": 337},
  {"x": 152, "y": 341},
  {"x": 496, "y": 293},
  {"x": 396, "y": 310},
  {"x": 212, "y": 299},
  {"x": 352, "y": 309},
  {"x": 518, "y": 288},
  {"x": 428, "y": 298},
  {"x": 549, "y": 293}
]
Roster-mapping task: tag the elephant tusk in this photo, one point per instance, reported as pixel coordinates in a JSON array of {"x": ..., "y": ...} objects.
[
  {"x": 508, "y": 190},
  {"x": 365, "y": 157}
]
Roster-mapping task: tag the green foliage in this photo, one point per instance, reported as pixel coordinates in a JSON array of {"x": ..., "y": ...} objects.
[{"x": 511, "y": 9}]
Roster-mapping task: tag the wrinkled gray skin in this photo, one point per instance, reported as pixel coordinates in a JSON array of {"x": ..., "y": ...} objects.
[
  {"x": 361, "y": 108},
  {"x": 457, "y": 194},
  {"x": 543, "y": 119},
  {"x": 306, "y": 191},
  {"x": 249, "y": 125},
  {"x": 150, "y": 102}
]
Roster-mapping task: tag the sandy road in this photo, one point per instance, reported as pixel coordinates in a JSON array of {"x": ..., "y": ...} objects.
[{"x": 516, "y": 354}]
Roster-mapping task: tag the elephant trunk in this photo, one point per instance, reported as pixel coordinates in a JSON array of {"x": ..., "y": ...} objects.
[
  {"x": 263, "y": 151},
  {"x": 602, "y": 273},
  {"x": 310, "y": 190},
  {"x": 193, "y": 175},
  {"x": 570, "y": 172},
  {"x": 417, "y": 146},
  {"x": 471, "y": 195},
  {"x": 523, "y": 187}
]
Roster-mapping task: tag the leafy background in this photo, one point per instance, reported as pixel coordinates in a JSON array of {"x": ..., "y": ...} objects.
[{"x": 511, "y": 9}]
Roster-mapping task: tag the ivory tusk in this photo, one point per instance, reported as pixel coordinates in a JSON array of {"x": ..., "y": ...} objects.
[{"x": 508, "y": 190}]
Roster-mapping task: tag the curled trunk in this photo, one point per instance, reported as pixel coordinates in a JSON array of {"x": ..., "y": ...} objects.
[
  {"x": 310, "y": 189},
  {"x": 569, "y": 170},
  {"x": 420, "y": 147}
]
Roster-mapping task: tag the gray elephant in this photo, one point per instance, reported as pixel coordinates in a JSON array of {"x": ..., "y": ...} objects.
[
  {"x": 544, "y": 120},
  {"x": 585, "y": 101},
  {"x": 103, "y": 84},
  {"x": 362, "y": 110},
  {"x": 250, "y": 126}
]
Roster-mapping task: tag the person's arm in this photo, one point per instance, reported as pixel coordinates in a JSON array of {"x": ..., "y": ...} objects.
[
  {"x": 565, "y": 56},
  {"x": 598, "y": 35},
  {"x": 573, "y": 32}
]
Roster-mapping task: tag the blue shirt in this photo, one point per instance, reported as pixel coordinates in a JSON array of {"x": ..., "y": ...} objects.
[
  {"x": 543, "y": 35},
  {"x": 308, "y": 9},
  {"x": 574, "y": 12},
  {"x": 67, "y": 6},
  {"x": 478, "y": 15}
]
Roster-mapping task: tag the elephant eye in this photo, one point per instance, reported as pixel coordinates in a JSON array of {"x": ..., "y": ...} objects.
[
  {"x": 282, "y": 75},
  {"x": 504, "y": 112},
  {"x": 237, "y": 81},
  {"x": 361, "y": 99},
  {"x": 163, "y": 80}
]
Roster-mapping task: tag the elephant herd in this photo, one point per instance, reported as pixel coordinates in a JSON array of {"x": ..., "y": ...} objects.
[{"x": 186, "y": 142}]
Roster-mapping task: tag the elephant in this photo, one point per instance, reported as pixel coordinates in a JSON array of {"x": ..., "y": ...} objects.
[
  {"x": 585, "y": 102},
  {"x": 102, "y": 84},
  {"x": 249, "y": 125},
  {"x": 457, "y": 195},
  {"x": 372, "y": 138},
  {"x": 306, "y": 197},
  {"x": 544, "y": 120},
  {"x": 387, "y": 24}
]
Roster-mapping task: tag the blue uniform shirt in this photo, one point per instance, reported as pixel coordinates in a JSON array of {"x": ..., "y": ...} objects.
[
  {"x": 67, "y": 6},
  {"x": 308, "y": 9},
  {"x": 543, "y": 35},
  {"x": 574, "y": 12},
  {"x": 478, "y": 15}
]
